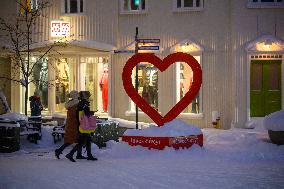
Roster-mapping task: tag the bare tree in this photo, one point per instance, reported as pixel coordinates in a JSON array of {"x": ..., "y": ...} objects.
[{"x": 19, "y": 33}]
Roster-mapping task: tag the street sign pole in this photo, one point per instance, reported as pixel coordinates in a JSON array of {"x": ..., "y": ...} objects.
[{"x": 136, "y": 74}]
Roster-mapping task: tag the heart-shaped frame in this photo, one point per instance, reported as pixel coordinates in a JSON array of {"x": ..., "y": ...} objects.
[{"x": 162, "y": 65}]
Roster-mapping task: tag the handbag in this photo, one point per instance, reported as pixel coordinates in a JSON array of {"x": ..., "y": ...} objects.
[{"x": 88, "y": 124}]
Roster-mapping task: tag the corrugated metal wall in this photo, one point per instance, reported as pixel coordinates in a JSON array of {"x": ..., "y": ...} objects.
[{"x": 223, "y": 28}]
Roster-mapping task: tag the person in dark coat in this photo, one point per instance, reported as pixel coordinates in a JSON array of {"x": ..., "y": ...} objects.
[
  {"x": 35, "y": 104},
  {"x": 71, "y": 126},
  {"x": 84, "y": 139}
]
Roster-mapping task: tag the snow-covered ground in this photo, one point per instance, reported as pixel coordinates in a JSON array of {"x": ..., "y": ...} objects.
[{"x": 236, "y": 158}]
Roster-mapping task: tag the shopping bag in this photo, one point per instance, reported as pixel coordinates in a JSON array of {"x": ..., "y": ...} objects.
[{"x": 87, "y": 124}]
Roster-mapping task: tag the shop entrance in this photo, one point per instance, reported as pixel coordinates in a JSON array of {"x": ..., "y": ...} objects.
[{"x": 265, "y": 87}]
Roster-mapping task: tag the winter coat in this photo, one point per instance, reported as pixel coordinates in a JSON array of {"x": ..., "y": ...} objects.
[
  {"x": 71, "y": 127},
  {"x": 35, "y": 105}
]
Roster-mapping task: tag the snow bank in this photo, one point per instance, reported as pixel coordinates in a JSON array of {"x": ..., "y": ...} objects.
[
  {"x": 274, "y": 121},
  {"x": 174, "y": 128}
]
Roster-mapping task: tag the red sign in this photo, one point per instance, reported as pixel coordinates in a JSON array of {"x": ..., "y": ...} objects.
[
  {"x": 60, "y": 29},
  {"x": 162, "y": 65},
  {"x": 161, "y": 142}
]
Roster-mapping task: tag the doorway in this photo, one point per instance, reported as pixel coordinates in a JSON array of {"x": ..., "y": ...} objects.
[{"x": 265, "y": 87}]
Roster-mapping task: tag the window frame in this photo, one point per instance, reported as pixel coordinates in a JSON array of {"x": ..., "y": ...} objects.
[
  {"x": 190, "y": 115},
  {"x": 129, "y": 11},
  {"x": 259, "y": 4},
  {"x": 131, "y": 107},
  {"x": 63, "y": 8},
  {"x": 185, "y": 9}
]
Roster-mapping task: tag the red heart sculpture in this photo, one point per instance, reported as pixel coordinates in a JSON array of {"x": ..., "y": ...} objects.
[{"x": 162, "y": 65}]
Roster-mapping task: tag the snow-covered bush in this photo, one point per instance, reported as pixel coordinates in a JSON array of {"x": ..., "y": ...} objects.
[{"x": 274, "y": 121}]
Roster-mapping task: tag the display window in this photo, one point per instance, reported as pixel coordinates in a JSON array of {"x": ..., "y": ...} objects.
[
  {"x": 147, "y": 84},
  {"x": 70, "y": 73},
  {"x": 39, "y": 80},
  {"x": 62, "y": 83},
  {"x": 184, "y": 78},
  {"x": 94, "y": 78}
]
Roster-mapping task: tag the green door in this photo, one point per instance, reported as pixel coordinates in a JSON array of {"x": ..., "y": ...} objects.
[{"x": 265, "y": 87}]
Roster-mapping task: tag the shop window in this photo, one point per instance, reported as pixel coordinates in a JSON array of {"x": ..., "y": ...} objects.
[
  {"x": 73, "y": 6},
  {"x": 184, "y": 78},
  {"x": 265, "y": 4},
  {"x": 62, "y": 83},
  {"x": 39, "y": 80},
  {"x": 133, "y": 6},
  {"x": 187, "y": 5},
  {"x": 94, "y": 78},
  {"x": 147, "y": 84}
]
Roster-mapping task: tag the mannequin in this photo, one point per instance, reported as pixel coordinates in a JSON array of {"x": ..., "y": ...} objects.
[{"x": 104, "y": 88}]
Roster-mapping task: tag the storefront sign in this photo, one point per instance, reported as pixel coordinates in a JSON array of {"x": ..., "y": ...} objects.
[
  {"x": 162, "y": 65},
  {"x": 60, "y": 28}
]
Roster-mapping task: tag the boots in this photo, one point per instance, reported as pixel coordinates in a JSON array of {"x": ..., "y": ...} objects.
[
  {"x": 60, "y": 150},
  {"x": 71, "y": 153},
  {"x": 79, "y": 153},
  {"x": 70, "y": 157},
  {"x": 89, "y": 154},
  {"x": 92, "y": 158},
  {"x": 57, "y": 153}
]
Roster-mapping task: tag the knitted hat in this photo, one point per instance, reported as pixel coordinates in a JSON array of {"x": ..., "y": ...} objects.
[
  {"x": 84, "y": 94},
  {"x": 73, "y": 94}
]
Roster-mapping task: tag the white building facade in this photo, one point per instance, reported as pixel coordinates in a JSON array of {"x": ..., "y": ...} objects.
[{"x": 238, "y": 43}]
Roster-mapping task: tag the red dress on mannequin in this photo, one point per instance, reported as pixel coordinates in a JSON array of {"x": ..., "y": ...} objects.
[{"x": 104, "y": 88}]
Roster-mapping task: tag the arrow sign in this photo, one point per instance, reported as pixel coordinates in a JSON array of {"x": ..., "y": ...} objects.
[
  {"x": 149, "y": 48},
  {"x": 148, "y": 40}
]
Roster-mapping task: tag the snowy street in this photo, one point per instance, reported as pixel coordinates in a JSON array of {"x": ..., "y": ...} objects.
[{"x": 236, "y": 158}]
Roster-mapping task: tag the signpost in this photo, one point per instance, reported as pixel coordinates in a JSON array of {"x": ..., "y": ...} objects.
[
  {"x": 140, "y": 44},
  {"x": 148, "y": 40},
  {"x": 136, "y": 75}
]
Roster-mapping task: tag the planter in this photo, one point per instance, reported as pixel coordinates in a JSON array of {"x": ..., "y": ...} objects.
[{"x": 276, "y": 137}]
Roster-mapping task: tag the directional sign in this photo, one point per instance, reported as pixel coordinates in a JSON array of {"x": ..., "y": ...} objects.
[
  {"x": 124, "y": 51},
  {"x": 148, "y": 40},
  {"x": 149, "y": 48}
]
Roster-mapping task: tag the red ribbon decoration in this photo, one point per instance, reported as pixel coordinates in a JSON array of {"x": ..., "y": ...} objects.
[{"x": 162, "y": 65}]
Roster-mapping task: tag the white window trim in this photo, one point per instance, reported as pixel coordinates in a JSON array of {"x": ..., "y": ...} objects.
[
  {"x": 140, "y": 11},
  {"x": 68, "y": 8},
  {"x": 185, "y": 9},
  {"x": 260, "y": 4}
]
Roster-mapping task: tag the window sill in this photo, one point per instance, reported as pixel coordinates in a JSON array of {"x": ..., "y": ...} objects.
[
  {"x": 265, "y": 5},
  {"x": 196, "y": 9},
  {"x": 191, "y": 116},
  {"x": 133, "y": 113},
  {"x": 182, "y": 115},
  {"x": 73, "y": 14},
  {"x": 133, "y": 12}
]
